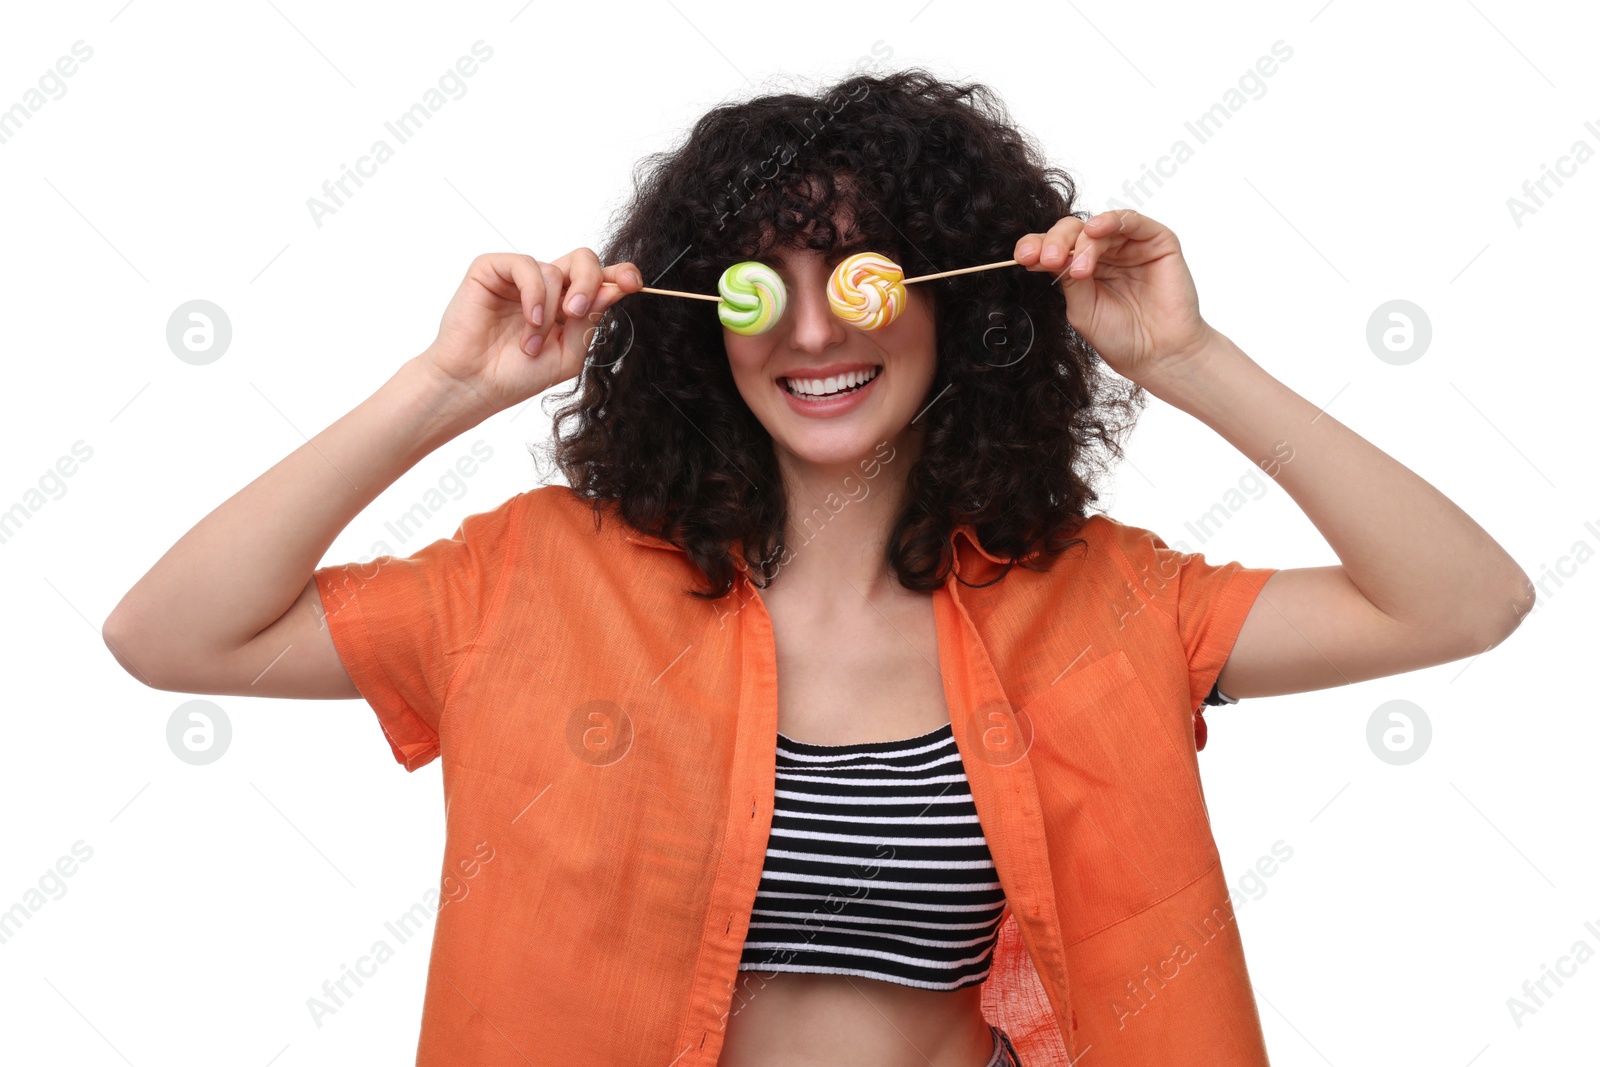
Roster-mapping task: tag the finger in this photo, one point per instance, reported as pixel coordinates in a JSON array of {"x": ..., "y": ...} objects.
[
  {"x": 504, "y": 274},
  {"x": 555, "y": 282},
  {"x": 511, "y": 276},
  {"x": 617, "y": 281},
  {"x": 1130, "y": 224},
  {"x": 1086, "y": 253},
  {"x": 530, "y": 292},
  {"x": 583, "y": 281},
  {"x": 1047, "y": 251},
  {"x": 579, "y": 331},
  {"x": 530, "y": 286},
  {"x": 1105, "y": 235},
  {"x": 541, "y": 292},
  {"x": 1090, "y": 252}
]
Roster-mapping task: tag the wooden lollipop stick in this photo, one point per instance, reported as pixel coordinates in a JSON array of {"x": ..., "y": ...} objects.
[
  {"x": 963, "y": 270},
  {"x": 669, "y": 292},
  {"x": 908, "y": 281},
  {"x": 674, "y": 292}
]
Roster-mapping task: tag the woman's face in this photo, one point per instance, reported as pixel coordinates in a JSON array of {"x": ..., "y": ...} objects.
[{"x": 810, "y": 344}]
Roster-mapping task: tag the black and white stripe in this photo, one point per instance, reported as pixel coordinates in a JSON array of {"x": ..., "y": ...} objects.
[{"x": 876, "y": 866}]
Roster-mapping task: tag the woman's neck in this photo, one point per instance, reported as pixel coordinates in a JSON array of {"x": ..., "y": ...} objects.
[{"x": 840, "y": 518}]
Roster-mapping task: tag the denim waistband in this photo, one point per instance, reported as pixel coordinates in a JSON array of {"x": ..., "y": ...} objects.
[{"x": 1005, "y": 1053}]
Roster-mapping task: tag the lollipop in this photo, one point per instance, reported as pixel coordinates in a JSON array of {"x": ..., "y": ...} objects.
[
  {"x": 867, "y": 290},
  {"x": 753, "y": 297}
]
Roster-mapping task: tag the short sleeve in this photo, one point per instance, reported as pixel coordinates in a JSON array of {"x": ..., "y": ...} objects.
[
  {"x": 1207, "y": 602},
  {"x": 404, "y": 626}
]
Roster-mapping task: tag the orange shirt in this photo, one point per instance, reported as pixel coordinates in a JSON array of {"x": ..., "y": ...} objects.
[{"x": 608, "y": 749}]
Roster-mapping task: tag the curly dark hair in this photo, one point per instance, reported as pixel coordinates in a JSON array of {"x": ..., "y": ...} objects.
[{"x": 933, "y": 175}]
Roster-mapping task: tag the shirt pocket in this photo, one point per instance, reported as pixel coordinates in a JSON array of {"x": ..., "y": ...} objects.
[{"x": 1124, "y": 816}]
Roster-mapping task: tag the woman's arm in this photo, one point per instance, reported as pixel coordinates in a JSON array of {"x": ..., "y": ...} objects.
[
  {"x": 233, "y": 607},
  {"x": 1418, "y": 582},
  {"x": 243, "y": 572}
]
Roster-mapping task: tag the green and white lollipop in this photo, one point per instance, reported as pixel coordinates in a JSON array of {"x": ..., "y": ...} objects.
[{"x": 752, "y": 298}]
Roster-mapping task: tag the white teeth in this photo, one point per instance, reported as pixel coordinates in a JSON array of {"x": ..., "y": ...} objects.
[{"x": 823, "y": 386}]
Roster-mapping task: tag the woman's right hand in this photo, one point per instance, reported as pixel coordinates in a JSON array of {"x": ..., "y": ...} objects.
[{"x": 518, "y": 326}]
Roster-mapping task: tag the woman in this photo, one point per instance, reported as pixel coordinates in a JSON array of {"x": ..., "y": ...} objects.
[{"x": 975, "y": 842}]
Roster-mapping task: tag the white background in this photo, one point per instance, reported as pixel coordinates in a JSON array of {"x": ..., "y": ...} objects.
[{"x": 1376, "y": 165}]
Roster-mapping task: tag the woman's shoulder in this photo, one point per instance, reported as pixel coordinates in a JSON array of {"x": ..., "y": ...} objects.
[
  {"x": 563, "y": 520},
  {"x": 1083, "y": 539},
  {"x": 552, "y": 510},
  {"x": 1127, "y": 542},
  {"x": 1097, "y": 548}
]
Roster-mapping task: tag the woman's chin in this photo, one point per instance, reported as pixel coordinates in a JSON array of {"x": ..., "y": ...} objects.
[{"x": 836, "y": 447}]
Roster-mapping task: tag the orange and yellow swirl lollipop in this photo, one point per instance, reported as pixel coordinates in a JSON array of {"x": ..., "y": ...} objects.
[{"x": 867, "y": 290}]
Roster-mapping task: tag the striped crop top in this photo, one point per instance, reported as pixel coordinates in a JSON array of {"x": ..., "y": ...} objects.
[{"x": 876, "y": 866}]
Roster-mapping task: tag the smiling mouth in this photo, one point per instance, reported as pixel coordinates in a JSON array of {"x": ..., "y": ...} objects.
[{"x": 826, "y": 388}]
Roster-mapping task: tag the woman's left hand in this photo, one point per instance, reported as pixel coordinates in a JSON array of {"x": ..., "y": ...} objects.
[{"x": 1128, "y": 290}]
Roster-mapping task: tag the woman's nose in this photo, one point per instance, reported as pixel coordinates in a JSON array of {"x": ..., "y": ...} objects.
[{"x": 813, "y": 326}]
